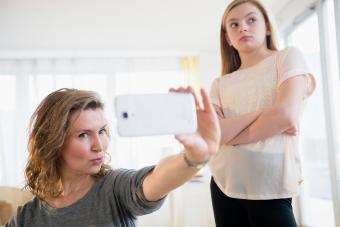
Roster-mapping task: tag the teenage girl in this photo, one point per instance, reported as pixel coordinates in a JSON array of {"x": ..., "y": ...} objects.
[{"x": 259, "y": 100}]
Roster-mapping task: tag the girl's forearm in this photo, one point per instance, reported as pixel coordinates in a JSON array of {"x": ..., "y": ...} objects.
[
  {"x": 231, "y": 127},
  {"x": 271, "y": 122}
]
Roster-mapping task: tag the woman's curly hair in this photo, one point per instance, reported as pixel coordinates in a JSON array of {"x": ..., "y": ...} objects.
[{"x": 49, "y": 126}]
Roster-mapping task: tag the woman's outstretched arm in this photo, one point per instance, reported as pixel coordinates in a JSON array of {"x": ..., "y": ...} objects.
[{"x": 174, "y": 171}]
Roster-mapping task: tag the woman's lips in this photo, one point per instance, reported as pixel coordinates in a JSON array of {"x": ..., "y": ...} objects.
[{"x": 97, "y": 161}]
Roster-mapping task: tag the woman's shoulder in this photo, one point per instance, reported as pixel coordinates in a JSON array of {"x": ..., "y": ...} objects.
[
  {"x": 31, "y": 205},
  {"x": 126, "y": 173},
  {"x": 25, "y": 212},
  {"x": 113, "y": 177},
  {"x": 119, "y": 179},
  {"x": 116, "y": 176}
]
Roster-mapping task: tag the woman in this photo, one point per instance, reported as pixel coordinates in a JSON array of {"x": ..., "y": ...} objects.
[
  {"x": 66, "y": 172},
  {"x": 259, "y": 99}
]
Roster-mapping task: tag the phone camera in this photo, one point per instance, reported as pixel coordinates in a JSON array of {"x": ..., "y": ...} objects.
[{"x": 125, "y": 115}]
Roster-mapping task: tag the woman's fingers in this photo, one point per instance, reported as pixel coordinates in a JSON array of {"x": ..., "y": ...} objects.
[
  {"x": 191, "y": 90},
  {"x": 208, "y": 106},
  {"x": 188, "y": 89}
]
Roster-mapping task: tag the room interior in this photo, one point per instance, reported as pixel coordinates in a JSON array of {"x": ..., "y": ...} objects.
[{"x": 118, "y": 47}]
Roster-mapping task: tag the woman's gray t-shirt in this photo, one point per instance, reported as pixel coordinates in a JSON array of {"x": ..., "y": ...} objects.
[{"x": 115, "y": 200}]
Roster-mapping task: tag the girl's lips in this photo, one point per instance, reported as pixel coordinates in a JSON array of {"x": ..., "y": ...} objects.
[{"x": 246, "y": 37}]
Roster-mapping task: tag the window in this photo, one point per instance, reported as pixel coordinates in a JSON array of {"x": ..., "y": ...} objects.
[
  {"x": 24, "y": 83},
  {"x": 7, "y": 93},
  {"x": 316, "y": 199}
]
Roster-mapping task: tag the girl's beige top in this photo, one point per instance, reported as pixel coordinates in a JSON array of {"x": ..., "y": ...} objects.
[{"x": 267, "y": 169}]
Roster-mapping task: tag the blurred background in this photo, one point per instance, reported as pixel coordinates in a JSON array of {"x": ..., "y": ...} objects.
[{"x": 128, "y": 46}]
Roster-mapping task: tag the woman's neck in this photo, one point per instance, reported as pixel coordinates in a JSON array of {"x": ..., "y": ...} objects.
[
  {"x": 251, "y": 58},
  {"x": 75, "y": 187},
  {"x": 75, "y": 183}
]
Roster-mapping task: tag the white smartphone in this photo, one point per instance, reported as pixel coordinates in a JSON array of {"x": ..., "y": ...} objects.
[{"x": 155, "y": 114}]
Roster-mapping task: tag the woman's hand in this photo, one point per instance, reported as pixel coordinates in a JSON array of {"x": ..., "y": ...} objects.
[
  {"x": 173, "y": 171},
  {"x": 202, "y": 144}
]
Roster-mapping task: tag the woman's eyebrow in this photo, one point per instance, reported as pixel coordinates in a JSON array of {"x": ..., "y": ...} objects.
[{"x": 87, "y": 129}]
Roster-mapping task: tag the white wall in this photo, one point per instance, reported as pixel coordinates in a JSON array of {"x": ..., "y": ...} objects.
[
  {"x": 110, "y": 24},
  {"x": 210, "y": 67},
  {"x": 118, "y": 26}
]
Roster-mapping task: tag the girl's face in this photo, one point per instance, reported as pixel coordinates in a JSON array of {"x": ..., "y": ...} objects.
[
  {"x": 86, "y": 143},
  {"x": 246, "y": 28}
]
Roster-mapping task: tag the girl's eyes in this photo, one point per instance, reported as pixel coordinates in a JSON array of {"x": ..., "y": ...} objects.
[
  {"x": 252, "y": 20},
  {"x": 233, "y": 25}
]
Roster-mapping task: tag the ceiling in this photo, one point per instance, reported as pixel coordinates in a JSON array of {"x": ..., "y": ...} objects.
[{"x": 186, "y": 25}]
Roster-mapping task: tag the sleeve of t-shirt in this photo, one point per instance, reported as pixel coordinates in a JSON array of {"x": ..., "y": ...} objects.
[
  {"x": 17, "y": 219},
  {"x": 215, "y": 92},
  {"x": 128, "y": 187},
  {"x": 291, "y": 63},
  {"x": 13, "y": 222}
]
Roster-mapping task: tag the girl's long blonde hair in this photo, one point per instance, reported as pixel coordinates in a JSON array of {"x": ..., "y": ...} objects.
[
  {"x": 49, "y": 126},
  {"x": 230, "y": 58}
]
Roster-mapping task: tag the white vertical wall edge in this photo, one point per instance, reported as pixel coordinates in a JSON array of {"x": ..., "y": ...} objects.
[
  {"x": 330, "y": 120},
  {"x": 337, "y": 27},
  {"x": 291, "y": 11}
]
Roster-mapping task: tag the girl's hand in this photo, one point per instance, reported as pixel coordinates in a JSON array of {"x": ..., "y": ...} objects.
[
  {"x": 291, "y": 131},
  {"x": 219, "y": 111}
]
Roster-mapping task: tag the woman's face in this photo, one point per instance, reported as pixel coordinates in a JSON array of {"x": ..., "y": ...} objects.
[
  {"x": 86, "y": 143},
  {"x": 246, "y": 28}
]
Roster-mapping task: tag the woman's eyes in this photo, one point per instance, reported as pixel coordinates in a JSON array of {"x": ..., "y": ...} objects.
[
  {"x": 102, "y": 131},
  {"x": 83, "y": 135},
  {"x": 86, "y": 134}
]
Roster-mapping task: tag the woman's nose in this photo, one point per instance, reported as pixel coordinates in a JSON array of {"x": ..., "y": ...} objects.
[{"x": 97, "y": 144}]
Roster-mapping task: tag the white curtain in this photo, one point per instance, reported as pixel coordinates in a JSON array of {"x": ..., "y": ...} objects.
[{"x": 25, "y": 82}]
